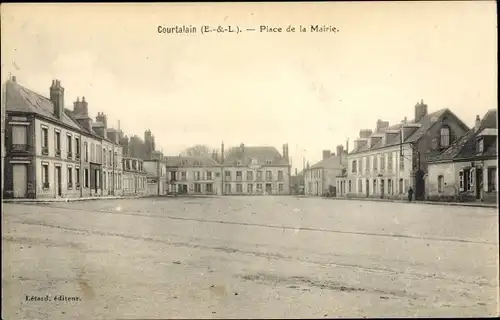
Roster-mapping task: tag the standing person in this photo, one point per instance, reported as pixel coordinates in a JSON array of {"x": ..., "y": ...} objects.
[{"x": 410, "y": 194}]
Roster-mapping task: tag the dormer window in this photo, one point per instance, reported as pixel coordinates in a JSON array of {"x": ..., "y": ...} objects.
[
  {"x": 254, "y": 161},
  {"x": 197, "y": 163},
  {"x": 269, "y": 162},
  {"x": 444, "y": 137},
  {"x": 480, "y": 146},
  {"x": 183, "y": 162}
]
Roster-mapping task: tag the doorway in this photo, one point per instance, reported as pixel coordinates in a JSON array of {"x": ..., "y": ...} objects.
[
  {"x": 20, "y": 180},
  {"x": 367, "y": 188},
  {"x": 58, "y": 180},
  {"x": 269, "y": 188},
  {"x": 479, "y": 182},
  {"x": 382, "y": 188}
]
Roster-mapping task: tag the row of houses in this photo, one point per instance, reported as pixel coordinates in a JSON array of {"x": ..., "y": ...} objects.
[
  {"x": 435, "y": 154},
  {"x": 49, "y": 151}
]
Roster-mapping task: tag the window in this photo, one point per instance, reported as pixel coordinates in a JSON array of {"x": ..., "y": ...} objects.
[
  {"x": 259, "y": 175},
  {"x": 444, "y": 137},
  {"x": 70, "y": 177},
  {"x": 360, "y": 186},
  {"x": 45, "y": 175},
  {"x": 227, "y": 175},
  {"x": 389, "y": 162},
  {"x": 104, "y": 155},
  {"x": 70, "y": 146},
  {"x": 210, "y": 188},
  {"x": 115, "y": 159},
  {"x": 389, "y": 186},
  {"x": 280, "y": 187},
  {"x": 250, "y": 175},
  {"x": 77, "y": 173},
  {"x": 480, "y": 146},
  {"x": 353, "y": 166},
  {"x": 239, "y": 176},
  {"x": 77, "y": 147},
  {"x": 382, "y": 162},
  {"x": 401, "y": 162},
  {"x": 19, "y": 138},
  {"x": 45, "y": 141},
  {"x": 401, "y": 186},
  {"x": 269, "y": 162},
  {"x": 492, "y": 179},
  {"x": 375, "y": 162},
  {"x": 280, "y": 175},
  {"x": 57, "y": 137},
  {"x": 197, "y": 187},
  {"x": 197, "y": 175},
  {"x": 259, "y": 187},
  {"x": 239, "y": 188},
  {"x": 440, "y": 183},
  {"x": 466, "y": 179},
  {"x": 360, "y": 165},
  {"x": 350, "y": 186},
  {"x": 183, "y": 175},
  {"x": 109, "y": 158},
  {"x": 249, "y": 188},
  {"x": 238, "y": 163},
  {"x": 368, "y": 165},
  {"x": 228, "y": 188},
  {"x": 86, "y": 150},
  {"x": 86, "y": 178},
  {"x": 269, "y": 175},
  {"x": 374, "y": 191},
  {"x": 209, "y": 175}
]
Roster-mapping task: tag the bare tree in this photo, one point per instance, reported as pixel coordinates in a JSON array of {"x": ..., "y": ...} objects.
[{"x": 199, "y": 150}]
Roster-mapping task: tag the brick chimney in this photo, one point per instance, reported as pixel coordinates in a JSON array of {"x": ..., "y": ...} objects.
[
  {"x": 340, "y": 150},
  {"x": 365, "y": 133},
  {"x": 477, "y": 123},
  {"x": 57, "y": 98},
  {"x": 381, "y": 125},
  {"x": 101, "y": 117},
  {"x": 420, "y": 111},
  {"x": 326, "y": 154},
  {"x": 80, "y": 108},
  {"x": 285, "y": 151}
]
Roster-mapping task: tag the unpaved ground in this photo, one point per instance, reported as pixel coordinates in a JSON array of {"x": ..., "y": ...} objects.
[{"x": 248, "y": 257}]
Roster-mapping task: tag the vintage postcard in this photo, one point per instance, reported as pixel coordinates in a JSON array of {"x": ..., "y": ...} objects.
[{"x": 249, "y": 160}]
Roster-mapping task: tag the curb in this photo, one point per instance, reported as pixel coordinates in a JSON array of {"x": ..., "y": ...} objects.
[{"x": 435, "y": 203}]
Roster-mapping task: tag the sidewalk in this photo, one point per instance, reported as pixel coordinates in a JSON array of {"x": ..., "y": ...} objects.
[
  {"x": 48, "y": 200},
  {"x": 463, "y": 204}
]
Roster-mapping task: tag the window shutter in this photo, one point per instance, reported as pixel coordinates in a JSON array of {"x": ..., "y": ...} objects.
[{"x": 461, "y": 180}]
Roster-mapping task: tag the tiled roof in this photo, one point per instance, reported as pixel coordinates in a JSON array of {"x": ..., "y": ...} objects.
[
  {"x": 91, "y": 132},
  {"x": 21, "y": 99},
  {"x": 333, "y": 162},
  {"x": 394, "y": 139},
  {"x": 465, "y": 146},
  {"x": 188, "y": 162},
  {"x": 259, "y": 154}
]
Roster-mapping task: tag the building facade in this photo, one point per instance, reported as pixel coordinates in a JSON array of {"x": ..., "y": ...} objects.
[
  {"x": 467, "y": 170},
  {"x": 156, "y": 173},
  {"x": 256, "y": 171},
  {"x": 321, "y": 178},
  {"x": 134, "y": 177},
  {"x": 194, "y": 175},
  {"x": 386, "y": 162},
  {"x": 51, "y": 151}
]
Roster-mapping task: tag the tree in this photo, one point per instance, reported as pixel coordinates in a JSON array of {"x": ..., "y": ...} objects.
[{"x": 199, "y": 150}]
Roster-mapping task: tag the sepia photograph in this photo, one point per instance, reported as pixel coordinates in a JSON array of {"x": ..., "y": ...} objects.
[{"x": 249, "y": 160}]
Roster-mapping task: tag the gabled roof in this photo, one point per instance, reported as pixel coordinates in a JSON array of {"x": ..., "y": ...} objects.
[
  {"x": 190, "y": 162},
  {"x": 259, "y": 154},
  {"x": 333, "y": 162},
  {"x": 465, "y": 146},
  {"x": 21, "y": 99},
  {"x": 423, "y": 127}
]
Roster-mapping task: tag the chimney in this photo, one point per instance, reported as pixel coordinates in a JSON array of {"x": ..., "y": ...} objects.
[
  {"x": 14, "y": 79},
  {"x": 242, "y": 147},
  {"x": 57, "y": 98},
  {"x": 347, "y": 146},
  {"x": 420, "y": 111},
  {"x": 365, "y": 133},
  {"x": 326, "y": 154},
  {"x": 222, "y": 151},
  {"x": 340, "y": 150},
  {"x": 285, "y": 151},
  {"x": 101, "y": 117},
  {"x": 477, "y": 124},
  {"x": 381, "y": 125}
]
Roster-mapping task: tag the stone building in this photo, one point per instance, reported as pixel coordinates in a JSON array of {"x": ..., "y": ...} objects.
[
  {"x": 256, "y": 171},
  {"x": 386, "y": 162},
  {"x": 136, "y": 147},
  {"x": 321, "y": 178},
  {"x": 156, "y": 173},
  {"x": 134, "y": 177},
  {"x": 50, "y": 151},
  {"x": 467, "y": 169},
  {"x": 193, "y": 175}
]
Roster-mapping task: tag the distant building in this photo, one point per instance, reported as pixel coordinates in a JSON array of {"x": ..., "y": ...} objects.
[
  {"x": 467, "y": 169},
  {"x": 256, "y": 171},
  {"x": 386, "y": 162},
  {"x": 134, "y": 177},
  {"x": 321, "y": 178},
  {"x": 156, "y": 173},
  {"x": 297, "y": 183},
  {"x": 194, "y": 175}
]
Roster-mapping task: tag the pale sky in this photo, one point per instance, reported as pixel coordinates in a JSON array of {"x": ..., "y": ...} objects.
[{"x": 310, "y": 90}]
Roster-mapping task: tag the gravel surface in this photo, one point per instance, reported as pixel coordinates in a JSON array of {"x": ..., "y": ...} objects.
[{"x": 247, "y": 257}]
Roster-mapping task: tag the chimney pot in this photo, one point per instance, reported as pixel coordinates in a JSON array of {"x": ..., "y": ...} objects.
[{"x": 14, "y": 78}]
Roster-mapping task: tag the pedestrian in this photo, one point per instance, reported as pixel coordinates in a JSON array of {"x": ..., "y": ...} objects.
[{"x": 410, "y": 194}]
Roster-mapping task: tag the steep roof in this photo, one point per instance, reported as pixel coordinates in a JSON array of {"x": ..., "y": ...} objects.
[
  {"x": 261, "y": 155},
  {"x": 190, "y": 162},
  {"x": 21, "y": 99},
  {"x": 333, "y": 162},
  {"x": 90, "y": 132},
  {"x": 465, "y": 146},
  {"x": 424, "y": 125}
]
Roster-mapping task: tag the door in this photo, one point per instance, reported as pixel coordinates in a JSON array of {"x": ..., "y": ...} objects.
[
  {"x": 382, "y": 188},
  {"x": 479, "y": 183},
  {"x": 97, "y": 180},
  {"x": 269, "y": 188},
  {"x": 20, "y": 181},
  {"x": 58, "y": 181},
  {"x": 367, "y": 187},
  {"x": 184, "y": 188}
]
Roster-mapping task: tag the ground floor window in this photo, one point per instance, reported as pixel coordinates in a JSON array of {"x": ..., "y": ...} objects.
[
  {"x": 197, "y": 187},
  {"x": 401, "y": 186},
  {"x": 374, "y": 186},
  {"x": 440, "y": 183},
  {"x": 259, "y": 187},
  {"x": 210, "y": 187},
  {"x": 70, "y": 177},
  {"x": 360, "y": 186},
  {"x": 239, "y": 188},
  {"x": 389, "y": 186},
  {"x": 45, "y": 175},
  {"x": 228, "y": 188},
  {"x": 77, "y": 173},
  {"x": 86, "y": 178},
  {"x": 350, "y": 186},
  {"x": 281, "y": 187},
  {"x": 492, "y": 179},
  {"x": 249, "y": 188}
]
